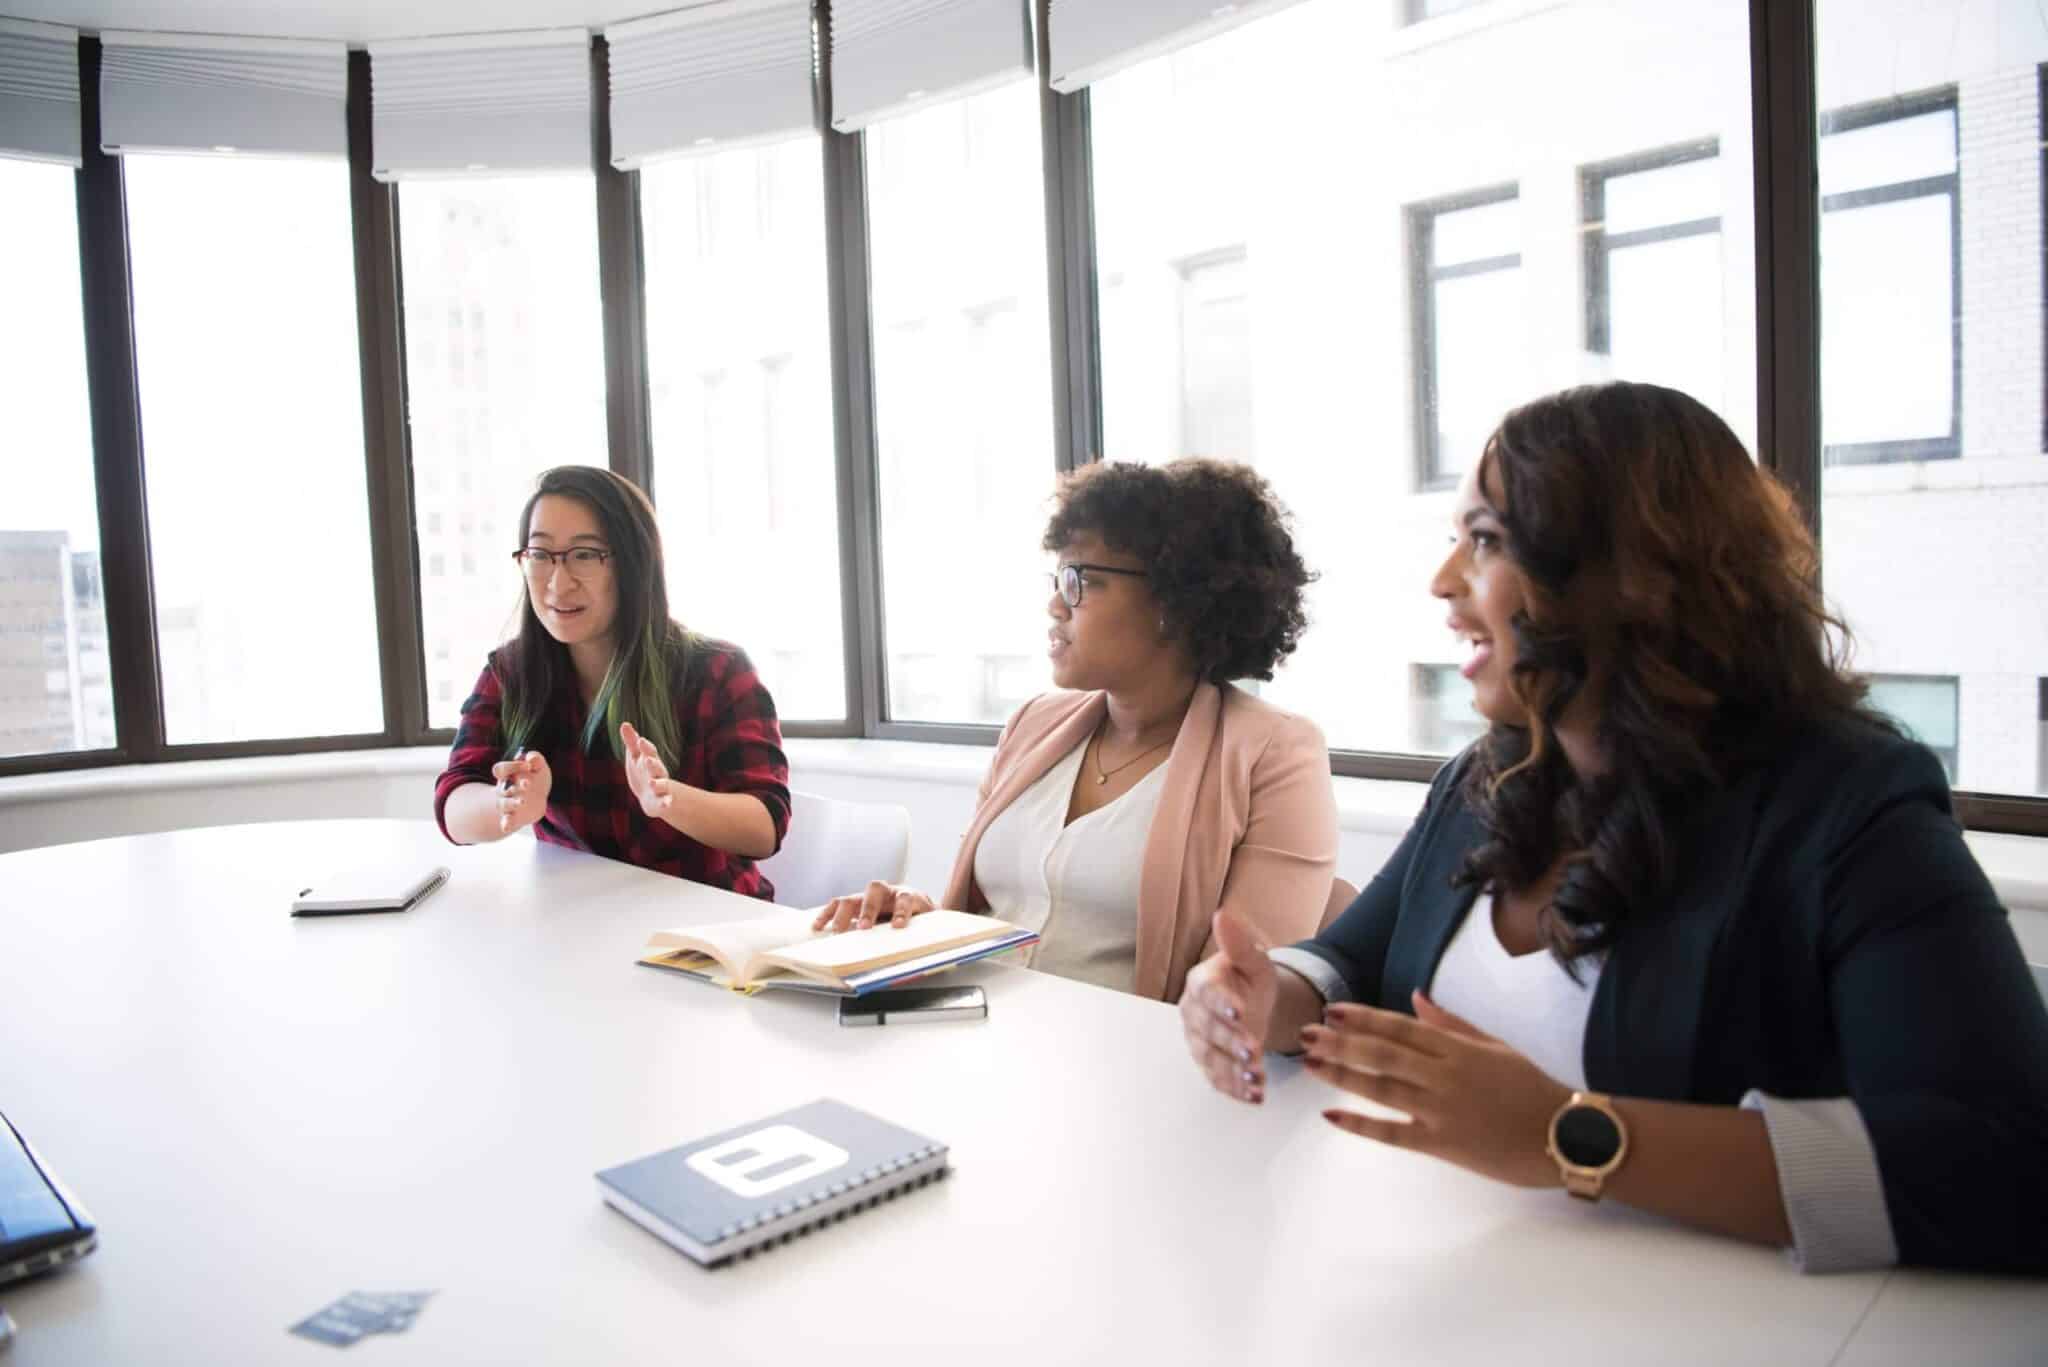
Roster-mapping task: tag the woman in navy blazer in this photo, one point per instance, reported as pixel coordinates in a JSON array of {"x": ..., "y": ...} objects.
[{"x": 1796, "y": 989}]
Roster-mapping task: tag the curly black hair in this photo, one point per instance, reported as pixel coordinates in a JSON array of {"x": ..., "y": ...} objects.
[{"x": 1216, "y": 549}]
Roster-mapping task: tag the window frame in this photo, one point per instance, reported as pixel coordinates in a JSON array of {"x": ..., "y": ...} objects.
[
  {"x": 1423, "y": 278},
  {"x": 1849, "y": 120},
  {"x": 1601, "y": 245}
]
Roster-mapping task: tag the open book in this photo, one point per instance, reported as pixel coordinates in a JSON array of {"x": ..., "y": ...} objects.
[{"x": 779, "y": 949}]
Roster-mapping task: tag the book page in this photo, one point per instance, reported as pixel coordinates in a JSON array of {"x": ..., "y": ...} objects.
[
  {"x": 733, "y": 943},
  {"x": 838, "y": 955}
]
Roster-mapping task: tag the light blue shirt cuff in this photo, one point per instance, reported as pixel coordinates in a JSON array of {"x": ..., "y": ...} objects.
[
  {"x": 1327, "y": 981},
  {"x": 1827, "y": 1175}
]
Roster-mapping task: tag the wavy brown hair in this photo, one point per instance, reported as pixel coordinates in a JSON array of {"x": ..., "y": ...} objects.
[{"x": 1674, "y": 579}]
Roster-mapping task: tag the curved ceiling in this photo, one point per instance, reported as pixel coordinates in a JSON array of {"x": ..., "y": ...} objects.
[{"x": 355, "y": 21}]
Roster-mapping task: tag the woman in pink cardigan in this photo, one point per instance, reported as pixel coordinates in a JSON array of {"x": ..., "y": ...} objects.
[{"x": 1146, "y": 792}]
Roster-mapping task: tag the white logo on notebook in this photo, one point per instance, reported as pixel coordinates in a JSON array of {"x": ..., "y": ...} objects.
[{"x": 767, "y": 1160}]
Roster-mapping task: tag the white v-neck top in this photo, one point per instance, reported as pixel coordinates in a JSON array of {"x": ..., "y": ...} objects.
[
  {"x": 1526, "y": 999},
  {"x": 1075, "y": 884}
]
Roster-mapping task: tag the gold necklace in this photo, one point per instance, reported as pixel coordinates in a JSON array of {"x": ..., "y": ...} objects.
[{"x": 1102, "y": 775}]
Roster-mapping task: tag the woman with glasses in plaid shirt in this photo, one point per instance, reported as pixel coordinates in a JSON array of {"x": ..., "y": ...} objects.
[
  {"x": 1147, "y": 790},
  {"x": 604, "y": 724}
]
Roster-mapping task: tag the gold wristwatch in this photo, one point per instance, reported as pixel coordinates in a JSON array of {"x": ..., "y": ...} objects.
[{"x": 1589, "y": 1141}]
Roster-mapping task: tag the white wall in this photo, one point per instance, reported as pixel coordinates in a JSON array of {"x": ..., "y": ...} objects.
[{"x": 935, "y": 782}]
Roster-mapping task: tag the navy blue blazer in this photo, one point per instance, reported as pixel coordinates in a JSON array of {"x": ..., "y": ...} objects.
[{"x": 1830, "y": 935}]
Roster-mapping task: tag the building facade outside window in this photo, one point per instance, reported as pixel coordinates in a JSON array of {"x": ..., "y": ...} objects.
[
  {"x": 56, "y": 690},
  {"x": 1654, "y": 269},
  {"x": 1468, "y": 280}
]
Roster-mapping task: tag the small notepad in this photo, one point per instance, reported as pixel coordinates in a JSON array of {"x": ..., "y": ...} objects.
[
  {"x": 368, "y": 889},
  {"x": 733, "y": 1193}
]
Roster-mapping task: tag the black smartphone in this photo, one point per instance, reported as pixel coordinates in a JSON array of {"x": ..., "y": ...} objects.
[{"x": 906, "y": 1004}]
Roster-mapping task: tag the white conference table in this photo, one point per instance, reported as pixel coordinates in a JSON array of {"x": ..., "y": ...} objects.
[{"x": 264, "y": 1113}]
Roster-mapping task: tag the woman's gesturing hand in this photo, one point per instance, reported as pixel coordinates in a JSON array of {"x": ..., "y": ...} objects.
[
  {"x": 1470, "y": 1099},
  {"x": 881, "y": 902},
  {"x": 1226, "y": 1007},
  {"x": 523, "y": 786},
  {"x": 646, "y": 775}
]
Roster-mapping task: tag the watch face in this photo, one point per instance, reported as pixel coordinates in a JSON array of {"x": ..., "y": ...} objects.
[{"x": 1586, "y": 1137}]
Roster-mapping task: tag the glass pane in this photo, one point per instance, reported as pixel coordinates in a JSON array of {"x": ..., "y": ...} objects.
[
  {"x": 1665, "y": 195},
  {"x": 740, "y": 380},
  {"x": 1888, "y": 312},
  {"x": 1215, "y": 360},
  {"x": 1476, "y": 234},
  {"x": 252, "y": 436},
  {"x": 504, "y": 360},
  {"x": 55, "y": 689},
  {"x": 1925, "y": 707},
  {"x": 1480, "y": 366},
  {"x": 1935, "y": 492},
  {"x": 1657, "y": 293},
  {"x": 1912, "y": 147},
  {"x": 1362, "y": 271},
  {"x": 963, "y": 403}
]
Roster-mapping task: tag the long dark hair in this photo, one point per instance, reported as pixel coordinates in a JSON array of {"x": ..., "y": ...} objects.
[
  {"x": 651, "y": 651},
  {"x": 1662, "y": 565}
]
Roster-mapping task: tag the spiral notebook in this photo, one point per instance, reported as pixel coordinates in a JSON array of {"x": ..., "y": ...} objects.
[{"x": 736, "y": 1192}]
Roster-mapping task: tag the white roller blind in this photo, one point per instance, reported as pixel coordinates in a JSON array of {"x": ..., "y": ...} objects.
[
  {"x": 713, "y": 76},
  {"x": 39, "y": 92},
  {"x": 890, "y": 55},
  {"x": 1091, "y": 39},
  {"x": 176, "y": 92},
  {"x": 480, "y": 103}
]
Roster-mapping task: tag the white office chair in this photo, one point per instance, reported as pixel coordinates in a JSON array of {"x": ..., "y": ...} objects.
[
  {"x": 1341, "y": 896},
  {"x": 835, "y": 847}
]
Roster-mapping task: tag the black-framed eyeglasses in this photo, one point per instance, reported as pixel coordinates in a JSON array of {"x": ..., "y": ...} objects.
[
  {"x": 1067, "y": 581},
  {"x": 581, "y": 561}
]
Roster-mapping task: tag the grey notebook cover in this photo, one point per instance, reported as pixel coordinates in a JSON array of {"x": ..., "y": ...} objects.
[{"x": 743, "y": 1186}]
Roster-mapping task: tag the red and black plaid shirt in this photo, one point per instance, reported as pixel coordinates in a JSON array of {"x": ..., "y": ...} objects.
[{"x": 731, "y": 743}]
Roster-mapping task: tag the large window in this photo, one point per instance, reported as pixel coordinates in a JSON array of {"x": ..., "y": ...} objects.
[
  {"x": 1654, "y": 270},
  {"x": 1342, "y": 257},
  {"x": 504, "y": 356},
  {"x": 1891, "y": 324},
  {"x": 252, "y": 436},
  {"x": 963, "y": 402},
  {"x": 739, "y": 373},
  {"x": 1935, "y": 488},
  {"x": 1468, "y": 285},
  {"x": 55, "y": 692}
]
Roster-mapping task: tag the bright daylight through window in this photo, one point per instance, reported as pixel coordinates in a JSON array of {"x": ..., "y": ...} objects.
[
  {"x": 1353, "y": 314},
  {"x": 1935, "y": 491},
  {"x": 739, "y": 377},
  {"x": 504, "y": 357},
  {"x": 963, "y": 403},
  {"x": 55, "y": 690},
  {"x": 252, "y": 435}
]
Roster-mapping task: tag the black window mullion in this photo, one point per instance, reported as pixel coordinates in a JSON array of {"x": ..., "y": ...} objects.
[
  {"x": 853, "y": 401},
  {"x": 1073, "y": 305},
  {"x": 394, "y": 547},
  {"x": 135, "y": 663},
  {"x": 621, "y": 272},
  {"x": 1785, "y": 129}
]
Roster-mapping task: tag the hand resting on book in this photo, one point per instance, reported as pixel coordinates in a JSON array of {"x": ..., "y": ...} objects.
[{"x": 889, "y": 902}]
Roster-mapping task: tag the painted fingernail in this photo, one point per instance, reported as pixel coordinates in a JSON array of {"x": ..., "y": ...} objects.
[
  {"x": 1249, "y": 1077},
  {"x": 1244, "y": 1055},
  {"x": 1230, "y": 1013}
]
